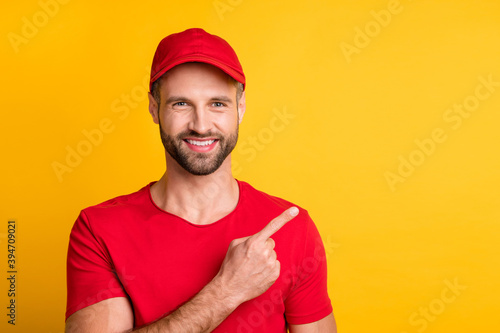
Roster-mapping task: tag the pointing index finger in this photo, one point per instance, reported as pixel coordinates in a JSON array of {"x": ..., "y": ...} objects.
[{"x": 277, "y": 223}]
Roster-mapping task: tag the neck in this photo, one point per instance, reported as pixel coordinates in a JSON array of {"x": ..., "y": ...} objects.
[{"x": 197, "y": 199}]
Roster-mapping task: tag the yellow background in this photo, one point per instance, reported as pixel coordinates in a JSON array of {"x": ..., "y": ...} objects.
[{"x": 392, "y": 249}]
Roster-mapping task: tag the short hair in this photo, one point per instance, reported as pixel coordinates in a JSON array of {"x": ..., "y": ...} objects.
[{"x": 155, "y": 90}]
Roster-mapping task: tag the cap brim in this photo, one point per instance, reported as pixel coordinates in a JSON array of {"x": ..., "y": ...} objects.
[{"x": 199, "y": 58}]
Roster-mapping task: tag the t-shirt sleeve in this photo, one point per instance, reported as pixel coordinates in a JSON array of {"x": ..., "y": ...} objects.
[
  {"x": 308, "y": 300},
  {"x": 91, "y": 277}
]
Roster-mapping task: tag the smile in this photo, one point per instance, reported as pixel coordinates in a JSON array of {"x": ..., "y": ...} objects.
[
  {"x": 201, "y": 146},
  {"x": 200, "y": 142}
]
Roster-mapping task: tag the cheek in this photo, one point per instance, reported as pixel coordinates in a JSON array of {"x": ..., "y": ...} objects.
[
  {"x": 228, "y": 123},
  {"x": 172, "y": 123}
]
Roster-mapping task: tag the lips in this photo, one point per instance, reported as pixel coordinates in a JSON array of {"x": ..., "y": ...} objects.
[{"x": 201, "y": 145}]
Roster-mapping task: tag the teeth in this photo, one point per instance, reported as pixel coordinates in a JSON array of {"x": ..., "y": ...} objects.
[{"x": 200, "y": 143}]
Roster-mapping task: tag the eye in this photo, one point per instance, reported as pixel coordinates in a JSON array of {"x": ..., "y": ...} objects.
[
  {"x": 180, "y": 106},
  {"x": 218, "y": 104}
]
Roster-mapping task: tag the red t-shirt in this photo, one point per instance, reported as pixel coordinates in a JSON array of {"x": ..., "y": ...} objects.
[{"x": 129, "y": 247}]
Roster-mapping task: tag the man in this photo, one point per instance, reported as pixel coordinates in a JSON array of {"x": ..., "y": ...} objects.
[{"x": 197, "y": 251}]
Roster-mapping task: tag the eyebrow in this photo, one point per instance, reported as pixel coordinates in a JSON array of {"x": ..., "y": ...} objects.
[
  {"x": 221, "y": 98},
  {"x": 172, "y": 99}
]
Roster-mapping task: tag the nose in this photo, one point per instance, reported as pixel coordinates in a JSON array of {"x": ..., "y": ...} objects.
[{"x": 200, "y": 122}]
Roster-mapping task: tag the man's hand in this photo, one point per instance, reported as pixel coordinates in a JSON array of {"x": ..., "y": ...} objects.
[{"x": 251, "y": 266}]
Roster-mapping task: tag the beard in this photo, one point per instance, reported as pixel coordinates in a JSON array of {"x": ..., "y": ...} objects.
[{"x": 199, "y": 164}]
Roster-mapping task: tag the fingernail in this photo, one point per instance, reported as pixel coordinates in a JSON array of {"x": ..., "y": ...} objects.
[{"x": 294, "y": 211}]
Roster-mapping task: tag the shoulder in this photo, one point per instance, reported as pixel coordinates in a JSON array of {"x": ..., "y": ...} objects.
[
  {"x": 263, "y": 199},
  {"x": 115, "y": 210},
  {"x": 121, "y": 202},
  {"x": 264, "y": 207}
]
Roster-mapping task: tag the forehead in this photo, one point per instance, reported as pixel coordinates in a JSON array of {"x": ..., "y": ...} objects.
[{"x": 196, "y": 75}]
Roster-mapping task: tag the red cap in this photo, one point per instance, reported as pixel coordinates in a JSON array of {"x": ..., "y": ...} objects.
[{"x": 195, "y": 45}]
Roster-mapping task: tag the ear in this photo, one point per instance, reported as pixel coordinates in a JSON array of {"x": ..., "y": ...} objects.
[
  {"x": 242, "y": 105},
  {"x": 153, "y": 108}
]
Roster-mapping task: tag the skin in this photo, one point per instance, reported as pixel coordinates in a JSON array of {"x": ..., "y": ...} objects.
[{"x": 201, "y": 98}]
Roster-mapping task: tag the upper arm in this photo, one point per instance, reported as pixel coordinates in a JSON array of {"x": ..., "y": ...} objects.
[
  {"x": 91, "y": 273},
  {"x": 308, "y": 300},
  {"x": 325, "y": 325},
  {"x": 109, "y": 316}
]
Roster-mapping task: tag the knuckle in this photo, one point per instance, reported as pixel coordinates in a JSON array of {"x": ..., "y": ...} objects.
[
  {"x": 271, "y": 243},
  {"x": 276, "y": 273},
  {"x": 252, "y": 244},
  {"x": 271, "y": 262},
  {"x": 233, "y": 244}
]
